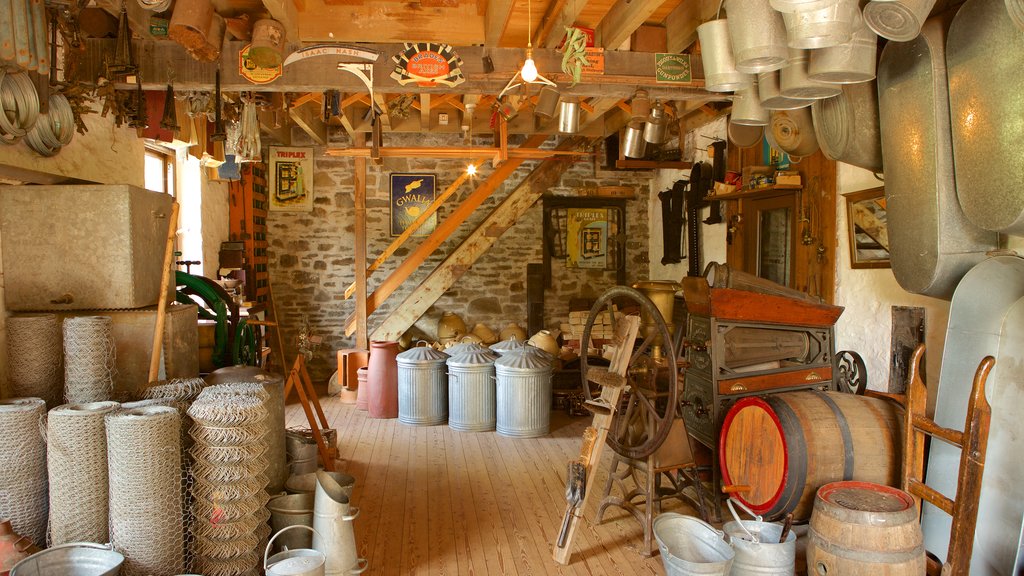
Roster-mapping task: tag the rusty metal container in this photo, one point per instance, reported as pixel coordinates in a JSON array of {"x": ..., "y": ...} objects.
[
  {"x": 523, "y": 382},
  {"x": 985, "y": 46},
  {"x": 422, "y": 386},
  {"x": 82, "y": 247},
  {"x": 268, "y": 36},
  {"x": 190, "y": 23},
  {"x": 13, "y": 547},
  {"x": 471, "y": 391},
  {"x": 932, "y": 243},
  {"x": 846, "y": 126}
]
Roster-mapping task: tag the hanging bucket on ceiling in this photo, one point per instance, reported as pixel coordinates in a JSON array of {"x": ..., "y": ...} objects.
[
  {"x": 792, "y": 131},
  {"x": 267, "y": 47},
  {"x": 846, "y": 126},
  {"x": 800, "y": 5},
  {"x": 547, "y": 102},
  {"x": 747, "y": 108},
  {"x": 771, "y": 98},
  {"x": 569, "y": 115},
  {"x": 847, "y": 63},
  {"x": 689, "y": 545},
  {"x": 899, "y": 20},
  {"x": 757, "y": 546},
  {"x": 720, "y": 73},
  {"x": 633, "y": 143},
  {"x": 794, "y": 83},
  {"x": 294, "y": 562},
  {"x": 758, "y": 36},
  {"x": 821, "y": 28},
  {"x": 640, "y": 106},
  {"x": 744, "y": 136}
]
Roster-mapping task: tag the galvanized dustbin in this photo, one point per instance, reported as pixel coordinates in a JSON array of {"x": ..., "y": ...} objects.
[
  {"x": 422, "y": 386},
  {"x": 506, "y": 346},
  {"x": 523, "y": 394},
  {"x": 471, "y": 399}
]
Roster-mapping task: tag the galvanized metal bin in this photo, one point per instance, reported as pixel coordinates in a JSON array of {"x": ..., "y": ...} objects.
[
  {"x": 523, "y": 394},
  {"x": 422, "y": 386},
  {"x": 506, "y": 346},
  {"x": 471, "y": 391},
  {"x": 82, "y": 247}
]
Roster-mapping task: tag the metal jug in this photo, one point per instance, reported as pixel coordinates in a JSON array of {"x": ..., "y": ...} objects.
[{"x": 332, "y": 523}]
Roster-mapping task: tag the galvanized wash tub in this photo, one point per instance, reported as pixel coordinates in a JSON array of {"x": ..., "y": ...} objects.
[
  {"x": 422, "y": 386},
  {"x": 523, "y": 394},
  {"x": 471, "y": 391},
  {"x": 78, "y": 559},
  {"x": 292, "y": 510}
]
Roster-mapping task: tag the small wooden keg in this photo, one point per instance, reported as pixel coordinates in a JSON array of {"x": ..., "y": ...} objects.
[{"x": 860, "y": 528}]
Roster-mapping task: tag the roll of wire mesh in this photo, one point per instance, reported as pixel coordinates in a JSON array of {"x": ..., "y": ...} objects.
[
  {"x": 23, "y": 453},
  {"x": 34, "y": 357},
  {"x": 54, "y": 129},
  {"x": 229, "y": 491},
  {"x": 88, "y": 359},
  {"x": 144, "y": 466},
  {"x": 19, "y": 106},
  {"x": 76, "y": 455}
]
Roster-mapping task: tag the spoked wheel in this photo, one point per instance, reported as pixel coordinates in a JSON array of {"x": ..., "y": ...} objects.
[
  {"x": 644, "y": 417},
  {"x": 851, "y": 373}
]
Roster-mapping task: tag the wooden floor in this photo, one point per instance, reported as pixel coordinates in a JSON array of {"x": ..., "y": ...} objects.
[{"x": 436, "y": 501}]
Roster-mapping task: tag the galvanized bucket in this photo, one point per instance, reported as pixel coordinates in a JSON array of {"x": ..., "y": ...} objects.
[
  {"x": 471, "y": 392},
  {"x": 523, "y": 381},
  {"x": 794, "y": 83},
  {"x": 899, "y": 20},
  {"x": 74, "y": 559},
  {"x": 757, "y": 546},
  {"x": 333, "y": 534},
  {"x": 847, "y": 63},
  {"x": 297, "y": 562},
  {"x": 633, "y": 143},
  {"x": 306, "y": 483},
  {"x": 822, "y": 28},
  {"x": 792, "y": 132},
  {"x": 422, "y": 386},
  {"x": 688, "y": 545},
  {"x": 744, "y": 136},
  {"x": 747, "y": 108},
  {"x": 302, "y": 453},
  {"x": 846, "y": 126},
  {"x": 770, "y": 96},
  {"x": 292, "y": 510},
  {"x": 758, "y": 36},
  {"x": 720, "y": 73}
]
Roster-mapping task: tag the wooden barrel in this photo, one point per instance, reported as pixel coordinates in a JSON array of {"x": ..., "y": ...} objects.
[
  {"x": 779, "y": 449},
  {"x": 860, "y": 528}
]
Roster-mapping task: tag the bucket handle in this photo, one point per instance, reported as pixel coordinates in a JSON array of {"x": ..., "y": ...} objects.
[
  {"x": 361, "y": 566},
  {"x": 729, "y": 502},
  {"x": 266, "y": 553},
  {"x": 108, "y": 547}
]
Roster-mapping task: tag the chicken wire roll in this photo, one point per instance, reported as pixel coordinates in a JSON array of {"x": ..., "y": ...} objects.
[
  {"x": 23, "y": 487},
  {"x": 184, "y": 389},
  {"x": 35, "y": 357},
  {"x": 146, "y": 514},
  {"x": 76, "y": 455},
  {"x": 88, "y": 359}
]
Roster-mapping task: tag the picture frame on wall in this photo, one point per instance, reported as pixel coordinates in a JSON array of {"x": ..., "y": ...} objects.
[
  {"x": 291, "y": 179},
  {"x": 868, "y": 229},
  {"x": 411, "y": 196}
]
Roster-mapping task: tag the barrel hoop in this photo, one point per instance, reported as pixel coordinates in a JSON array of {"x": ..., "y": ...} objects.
[
  {"x": 844, "y": 431},
  {"x": 886, "y": 558},
  {"x": 724, "y": 432},
  {"x": 795, "y": 476}
]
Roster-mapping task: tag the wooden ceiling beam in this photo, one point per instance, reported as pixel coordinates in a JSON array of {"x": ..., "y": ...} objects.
[
  {"x": 454, "y": 152},
  {"x": 623, "y": 19},
  {"x": 555, "y": 23},
  {"x": 425, "y": 112},
  {"x": 496, "y": 21},
  {"x": 381, "y": 101},
  {"x": 682, "y": 22},
  {"x": 600, "y": 107},
  {"x": 308, "y": 117}
]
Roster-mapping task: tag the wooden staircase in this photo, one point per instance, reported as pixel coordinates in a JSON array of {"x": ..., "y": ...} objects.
[{"x": 475, "y": 245}]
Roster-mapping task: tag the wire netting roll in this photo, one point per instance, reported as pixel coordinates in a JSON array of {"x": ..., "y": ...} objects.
[
  {"x": 34, "y": 357},
  {"x": 146, "y": 515},
  {"x": 88, "y": 359},
  {"x": 183, "y": 389},
  {"x": 76, "y": 455},
  {"x": 23, "y": 453}
]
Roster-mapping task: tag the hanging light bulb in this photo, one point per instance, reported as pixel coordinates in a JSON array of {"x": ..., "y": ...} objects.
[
  {"x": 529, "y": 71},
  {"x": 471, "y": 169}
]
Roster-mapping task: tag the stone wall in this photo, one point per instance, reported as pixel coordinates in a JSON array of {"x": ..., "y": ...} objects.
[{"x": 312, "y": 253}]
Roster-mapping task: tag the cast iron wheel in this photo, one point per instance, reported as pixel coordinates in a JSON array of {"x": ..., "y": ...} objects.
[
  {"x": 851, "y": 373},
  {"x": 644, "y": 417}
]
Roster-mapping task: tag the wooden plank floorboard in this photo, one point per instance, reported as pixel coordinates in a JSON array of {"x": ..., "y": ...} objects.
[{"x": 438, "y": 502}]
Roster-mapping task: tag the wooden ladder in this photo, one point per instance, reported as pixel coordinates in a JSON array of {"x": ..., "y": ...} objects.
[
  {"x": 612, "y": 381},
  {"x": 298, "y": 380}
]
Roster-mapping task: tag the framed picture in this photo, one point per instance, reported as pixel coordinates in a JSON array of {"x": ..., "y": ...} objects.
[
  {"x": 868, "y": 229},
  {"x": 291, "y": 179},
  {"x": 587, "y": 238},
  {"x": 411, "y": 195}
]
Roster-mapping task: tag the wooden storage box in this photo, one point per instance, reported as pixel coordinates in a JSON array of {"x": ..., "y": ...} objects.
[{"x": 83, "y": 247}]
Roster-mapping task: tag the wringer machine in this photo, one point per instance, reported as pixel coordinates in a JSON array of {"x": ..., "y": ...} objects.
[{"x": 732, "y": 336}]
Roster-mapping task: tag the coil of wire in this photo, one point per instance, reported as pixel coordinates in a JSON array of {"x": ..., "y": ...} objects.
[
  {"x": 157, "y": 6},
  {"x": 20, "y": 104},
  {"x": 53, "y": 129}
]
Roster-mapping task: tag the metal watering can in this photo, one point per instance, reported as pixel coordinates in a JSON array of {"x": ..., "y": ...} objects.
[
  {"x": 757, "y": 546},
  {"x": 297, "y": 562}
]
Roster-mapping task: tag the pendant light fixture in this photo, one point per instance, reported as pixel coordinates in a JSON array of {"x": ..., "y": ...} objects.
[{"x": 528, "y": 74}]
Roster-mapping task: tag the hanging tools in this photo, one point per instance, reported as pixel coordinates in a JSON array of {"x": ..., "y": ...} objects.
[
  {"x": 219, "y": 133},
  {"x": 170, "y": 118},
  {"x": 122, "y": 65},
  {"x": 575, "y": 488}
]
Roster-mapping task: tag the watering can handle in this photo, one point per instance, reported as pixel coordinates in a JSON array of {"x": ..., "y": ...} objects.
[
  {"x": 361, "y": 566},
  {"x": 266, "y": 553},
  {"x": 732, "y": 510},
  {"x": 353, "y": 514}
]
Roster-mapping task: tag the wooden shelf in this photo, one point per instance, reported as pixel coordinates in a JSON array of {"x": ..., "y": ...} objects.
[
  {"x": 755, "y": 192},
  {"x": 651, "y": 164}
]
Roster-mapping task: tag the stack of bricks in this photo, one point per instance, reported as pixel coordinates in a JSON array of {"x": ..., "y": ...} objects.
[{"x": 603, "y": 328}]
